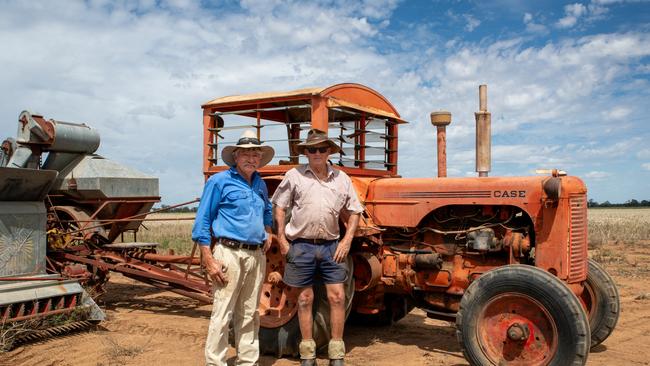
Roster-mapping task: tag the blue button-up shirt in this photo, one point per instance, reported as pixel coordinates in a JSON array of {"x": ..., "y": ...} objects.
[{"x": 233, "y": 209}]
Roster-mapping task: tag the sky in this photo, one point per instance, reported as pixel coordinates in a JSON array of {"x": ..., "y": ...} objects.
[{"x": 568, "y": 82}]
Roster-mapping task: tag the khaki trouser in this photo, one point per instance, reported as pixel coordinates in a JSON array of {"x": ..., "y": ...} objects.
[{"x": 237, "y": 301}]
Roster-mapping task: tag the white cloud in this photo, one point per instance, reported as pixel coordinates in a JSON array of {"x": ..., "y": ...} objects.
[
  {"x": 646, "y": 166},
  {"x": 532, "y": 26},
  {"x": 138, "y": 72},
  {"x": 572, "y": 13},
  {"x": 472, "y": 23},
  {"x": 617, "y": 113},
  {"x": 575, "y": 12},
  {"x": 597, "y": 175}
]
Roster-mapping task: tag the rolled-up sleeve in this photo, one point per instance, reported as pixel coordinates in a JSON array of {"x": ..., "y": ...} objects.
[
  {"x": 353, "y": 205},
  {"x": 207, "y": 212},
  {"x": 282, "y": 196}
]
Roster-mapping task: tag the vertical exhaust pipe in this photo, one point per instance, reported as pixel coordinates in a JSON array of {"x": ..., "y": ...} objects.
[
  {"x": 483, "y": 134},
  {"x": 441, "y": 119}
]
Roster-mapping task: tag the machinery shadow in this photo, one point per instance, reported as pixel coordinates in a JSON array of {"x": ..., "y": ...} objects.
[
  {"x": 140, "y": 296},
  {"x": 415, "y": 328}
]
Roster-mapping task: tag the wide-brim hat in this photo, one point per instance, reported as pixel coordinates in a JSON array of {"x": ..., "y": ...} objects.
[
  {"x": 248, "y": 140},
  {"x": 317, "y": 137}
]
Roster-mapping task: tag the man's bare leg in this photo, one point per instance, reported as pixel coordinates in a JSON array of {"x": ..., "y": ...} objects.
[
  {"x": 336, "y": 298},
  {"x": 305, "y": 319},
  {"x": 336, "y": 347}
]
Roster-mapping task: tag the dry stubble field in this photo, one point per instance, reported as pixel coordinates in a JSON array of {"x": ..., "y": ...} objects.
[{"x": 149, "y": 326}]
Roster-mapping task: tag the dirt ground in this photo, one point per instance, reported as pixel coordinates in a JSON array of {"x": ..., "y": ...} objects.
[{"x": 146, "y": 326}]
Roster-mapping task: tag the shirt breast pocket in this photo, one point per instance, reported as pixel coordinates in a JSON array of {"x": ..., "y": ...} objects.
[
  {"x": 338, "y": 201},
  {"x": 239, "y": 201},
  {"x": 259, "y": 201}
]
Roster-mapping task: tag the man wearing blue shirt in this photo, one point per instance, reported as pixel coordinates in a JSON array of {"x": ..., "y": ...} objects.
[{"x": 235, "y": 211}]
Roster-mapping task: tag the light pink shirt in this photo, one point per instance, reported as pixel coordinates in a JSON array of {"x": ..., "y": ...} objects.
[{"x": 315, "y": 204}]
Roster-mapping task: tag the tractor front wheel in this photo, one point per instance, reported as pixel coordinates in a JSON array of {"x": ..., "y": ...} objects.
[
  {"x": 600, "y": 298},
  {"x": 522, "y": 315}
]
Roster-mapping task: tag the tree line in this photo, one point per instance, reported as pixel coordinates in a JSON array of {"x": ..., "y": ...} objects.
[
  {"x": 628, "y": 203},
  {"x": 178, "y": 209}
]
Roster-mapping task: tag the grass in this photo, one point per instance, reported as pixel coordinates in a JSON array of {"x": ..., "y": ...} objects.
[
  {"x": 606, "y": 225},
  {"x": 619, "y": 238},
  {"x": 10, "y": 332},
  {"x": 35, "y": 328},
  {"x": 119, "y": 354},
  {"x": 618, "y": 225},
  {"x": 171, "y": 235}
]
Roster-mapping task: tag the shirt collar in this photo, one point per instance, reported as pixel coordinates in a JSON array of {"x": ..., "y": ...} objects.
[
  {"x": 233, "y": 170},
  {"x": 330, "y": 171}
]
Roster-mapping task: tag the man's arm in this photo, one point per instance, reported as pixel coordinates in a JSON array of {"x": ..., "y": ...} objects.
[
  {"x": 201, "y": 232},
  {"x": 282, "y": 199},
  {"x": 279, "y": 213},
  {"x": 343, "y": 247}
]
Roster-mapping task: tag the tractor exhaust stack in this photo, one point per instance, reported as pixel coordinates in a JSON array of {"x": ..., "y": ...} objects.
[
  {"x": 483, "y": 134},
  {"x": 441, "y": 119}
]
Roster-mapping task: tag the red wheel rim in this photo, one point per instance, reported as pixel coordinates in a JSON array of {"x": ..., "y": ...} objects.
[
  {"x": 518, "y": 315},
  {"x": 278, "y": 302},
  {"x": 588, "y": 298}
]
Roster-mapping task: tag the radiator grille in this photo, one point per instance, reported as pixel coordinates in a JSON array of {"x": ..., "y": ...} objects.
[{"x": 578, "y": 238}]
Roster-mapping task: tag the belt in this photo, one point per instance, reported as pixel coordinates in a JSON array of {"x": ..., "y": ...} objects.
[
  {"x": 313, "y": 241},
  {"x": 237, "y": 244}
]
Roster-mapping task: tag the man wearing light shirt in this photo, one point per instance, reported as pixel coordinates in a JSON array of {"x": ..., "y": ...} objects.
[{"x": 317, "y": 196}]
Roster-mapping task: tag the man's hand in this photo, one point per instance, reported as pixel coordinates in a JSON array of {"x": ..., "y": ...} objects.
[
  {"x": 215, "y": 268},
  {"x": 267, "y": 243},
  {"x": 342, "y": 250},
  {"x": 284, "y": 245}
]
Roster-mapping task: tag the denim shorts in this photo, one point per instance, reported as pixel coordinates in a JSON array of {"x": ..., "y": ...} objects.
[{"x": 307, "y": 262}]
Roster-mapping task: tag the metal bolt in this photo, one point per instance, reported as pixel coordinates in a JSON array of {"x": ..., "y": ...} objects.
[{"x": 518, "y": 332}]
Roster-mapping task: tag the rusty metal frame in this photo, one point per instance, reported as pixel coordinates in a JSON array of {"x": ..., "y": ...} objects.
[{"x": 356, "y": 97}]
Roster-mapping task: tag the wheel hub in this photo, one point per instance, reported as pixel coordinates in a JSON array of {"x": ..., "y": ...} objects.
[
  {"x": 518, "y": 332},
  {"x": 515, "y": 329}
]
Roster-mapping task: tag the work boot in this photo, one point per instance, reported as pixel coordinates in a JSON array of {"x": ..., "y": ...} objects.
[
  {"x": 307, "y": 349},
  {"x": 336, "y": 352}
]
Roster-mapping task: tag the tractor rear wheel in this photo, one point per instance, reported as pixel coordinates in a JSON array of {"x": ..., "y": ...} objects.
[
  {"x": 522, "y": 315},
  {"x": 602, "y": 302},
  {"x": 284, "y": 339}
]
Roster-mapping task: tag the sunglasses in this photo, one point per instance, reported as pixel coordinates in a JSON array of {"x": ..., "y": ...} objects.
[
  {"x": 322, "y": 150},
  {"x": 248, "y": 140}
]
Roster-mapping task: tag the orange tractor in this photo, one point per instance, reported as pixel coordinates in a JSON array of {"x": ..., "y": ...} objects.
[{"x": 506, "y": 257}]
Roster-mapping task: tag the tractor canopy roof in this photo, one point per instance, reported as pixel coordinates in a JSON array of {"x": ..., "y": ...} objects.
[{"x": 360, "y": 119}]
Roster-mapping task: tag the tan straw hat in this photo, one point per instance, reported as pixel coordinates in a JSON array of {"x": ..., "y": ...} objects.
[
  {"x": 317, "y": 137},
  {"x": 248, "y": 140}
]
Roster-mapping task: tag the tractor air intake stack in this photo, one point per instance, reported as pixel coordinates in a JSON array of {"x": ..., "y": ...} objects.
[
  {"x": 441, "y": 119},
  {"x": 483, "y": 122}
]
